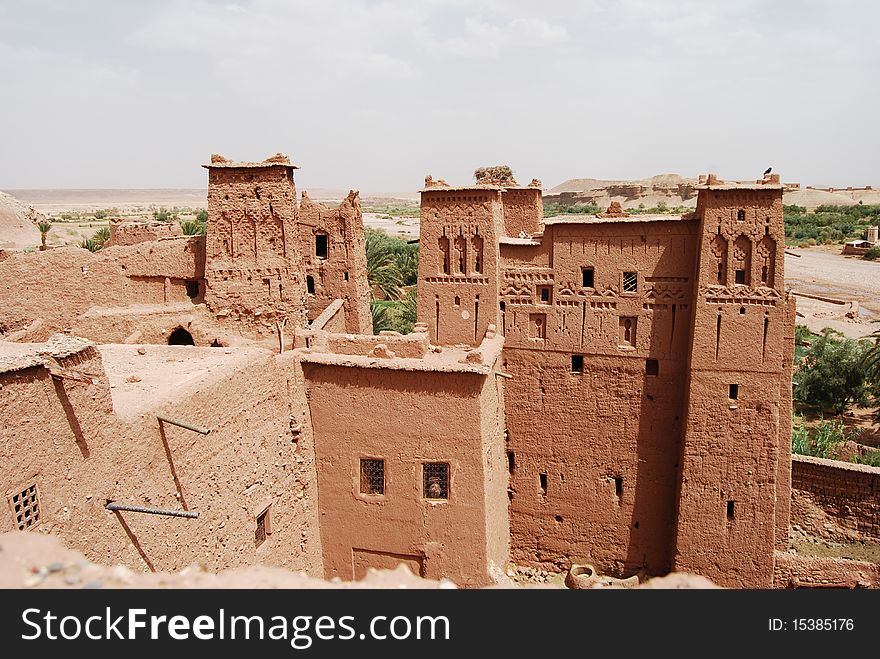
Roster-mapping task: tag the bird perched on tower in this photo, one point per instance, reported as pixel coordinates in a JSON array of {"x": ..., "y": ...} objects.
[{"x": 768, "y": 171}]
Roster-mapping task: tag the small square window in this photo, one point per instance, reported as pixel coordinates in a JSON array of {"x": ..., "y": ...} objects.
[
  {"x": 577, "y": 363},
  {"x": 652, "y": 367},
  {"x": 372, "y": 476},
  {"x": 630, "y": 282},
  {"x": 26, "y": 507},
  {"x": 264, "y": 526},
  {"x": 740, "y": 277},
  {"x": 588, "y": 277},
  {"x": 733, "y": 391},
  {"x": 545, "y": 294},
  {"x": 436, "y": 480}
]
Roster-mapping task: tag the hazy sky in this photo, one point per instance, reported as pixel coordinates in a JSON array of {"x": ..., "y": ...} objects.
[{"x": 376, "y": 94}]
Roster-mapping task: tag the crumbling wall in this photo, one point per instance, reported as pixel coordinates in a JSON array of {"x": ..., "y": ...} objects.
[
  {"x": 44, "y": 292},
  {"x": 523, "y": 210},
  {"x": 793, "y": 571},
  {"x": 332, "y": 244},
  {"x": 259, "y": 454},
  {"x": 850, "y": 493},
  {"x": 131, "y": 233}
]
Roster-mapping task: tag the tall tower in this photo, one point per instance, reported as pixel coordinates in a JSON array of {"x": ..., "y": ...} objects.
[
  {"x": 736, "y": 463},
  {"x": 253, "y": 264},
  {"x": 459, "y": 262}
]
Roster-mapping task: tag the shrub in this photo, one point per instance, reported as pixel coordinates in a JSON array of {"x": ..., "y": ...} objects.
[
  {"x": 821, "y": 441},
  {"x": 870, "y": 458},
  {"x": 202, "y": 215},
  {"x": 193, "y": 227},
  {"x": 872, "y": 254}
]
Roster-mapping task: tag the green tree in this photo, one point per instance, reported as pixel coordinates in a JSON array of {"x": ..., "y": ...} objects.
[
  {"x": 101, "y": 236},
  {"x": 832, "y": 374},
  {"x": 381, "y": 317},
  {"x": 44, "y": 228},
  {"x": 90, "y": 245},
  {"x": 202, "y": 215}
]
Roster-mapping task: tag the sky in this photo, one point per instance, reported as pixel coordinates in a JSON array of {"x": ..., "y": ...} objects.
[{"x": 374, "y": 95}]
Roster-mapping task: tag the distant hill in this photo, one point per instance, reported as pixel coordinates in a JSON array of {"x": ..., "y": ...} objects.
[{"x": 677, "y": 190}]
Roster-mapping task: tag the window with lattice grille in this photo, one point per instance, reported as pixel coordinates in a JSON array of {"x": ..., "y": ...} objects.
[
  {"x": 372, "y": 476},
  {"x": 630, "y": 282},
  {"x": 26, "y": 507},
  {"x": 436, "y": 480}
]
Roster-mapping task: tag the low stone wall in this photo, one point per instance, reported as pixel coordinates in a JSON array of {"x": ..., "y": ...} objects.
[
  {"x": 793, "y": 571},
  {"x": 850, "y": 493}
]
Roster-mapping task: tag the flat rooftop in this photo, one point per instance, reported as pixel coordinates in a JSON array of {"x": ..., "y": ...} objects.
[
  {"x": 596, "y": 219},
  {"x": 142, "y": 382}
]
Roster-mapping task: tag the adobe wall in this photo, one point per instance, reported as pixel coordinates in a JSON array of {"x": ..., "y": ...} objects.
[
  {"x": 153, "y": 324},
  {"x": 341, "y": 271},
  {"x": 523, "y": 210},
  {"x": 406, "y": 417},
  {"x": 606, "y": 438},
  {"x": 458, "y": 262},
  {"x": 253, "y": 266},
  {"x": 734, "y": 449},
  {"x": 45, "y": 292},
  {"x": 131, "y": 233},
  {"x": 850, "y": 493},
  {"x": 793, "y": 571},
  {"x": 64, "y": 438}
]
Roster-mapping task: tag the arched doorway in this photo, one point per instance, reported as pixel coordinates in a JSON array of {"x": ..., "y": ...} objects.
[{"x": 180, "y": 337}]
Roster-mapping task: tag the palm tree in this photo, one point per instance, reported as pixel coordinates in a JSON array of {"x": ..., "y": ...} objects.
[
  {"x": 871, "y": 360},
  {"x": 193, "y": 227},
  {"x": 381, "y": 317},
  {"x": 90, "y": 244},
  {"x": 101, "y": 236},
  {"x": 44, "y": 226},
  {"x": 382, "y": 272}
]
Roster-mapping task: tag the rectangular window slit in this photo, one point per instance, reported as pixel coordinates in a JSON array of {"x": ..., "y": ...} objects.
[
  {"x": 542, "y": 480},
  {"x": 630, "y": 282},
  {"x": 652, "y": 367},
  {"x": 618, "y": 486},
  {"x": 740, "y": 277},
  {"x": 733, "y": 391},
  {"x": 511, "y": 462},
  {"x": 730, "y": 507},
  {"x": 264, "y": 526},
  {"x": 577, "y": 363},
  {"x": 321, "y": 245}
]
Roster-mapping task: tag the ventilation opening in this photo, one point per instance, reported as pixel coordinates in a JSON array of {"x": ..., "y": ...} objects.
[
  {"x": 26, "y": 507},
  {"x": 558, "y": 519},
  {"x": 456, "y": 301},
  {"x": 630, "y": 282},
  {"x": 730, "y": 509},
  {"x": 180, "y": 337},
  {"x": 511, "y": 462},
  {"x": 321, "y": 245},
  {"x": 577, "y": 363},
  {"x": 740, "y": 277},
  {"x": 545, "y": 294},
  {"x": 733, "y": 391},
  {"x": 372, "y": 476},
  {"x": 542, "y": 481},
  {"x": 740, "y": 216},
  {"x": 652, "y": 367},
  {"x": 192, "y": 289},
  {"x": 310, "y": 285},
  {"x": 345, "y": 275},
  {"x": 588, "y": 277},
  {"x": 264, "y": 527},
  {"x": 618, "y": 486},
  {"x": 436, "y": 480},
  {"x": 742, "y": 311}
]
